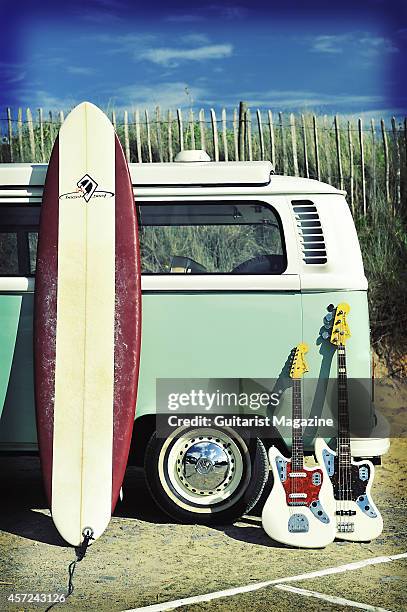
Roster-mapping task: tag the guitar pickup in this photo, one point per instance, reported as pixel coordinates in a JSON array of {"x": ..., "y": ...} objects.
[
  {"x": 297, "y": 475},
  {"x": 345, "y": 512},
  {"x": 297, "y": 495}
]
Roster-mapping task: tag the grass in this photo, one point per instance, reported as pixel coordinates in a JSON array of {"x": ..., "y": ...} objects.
[{"x": 383, "y": 240}]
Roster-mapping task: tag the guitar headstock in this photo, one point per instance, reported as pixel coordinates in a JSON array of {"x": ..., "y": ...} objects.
[
  {"x": 336, "y": 324},
  {"x": 298, "y": 364}
]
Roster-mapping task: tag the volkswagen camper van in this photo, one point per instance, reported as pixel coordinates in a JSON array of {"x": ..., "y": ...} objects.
[{"x": 239, "y": 266}]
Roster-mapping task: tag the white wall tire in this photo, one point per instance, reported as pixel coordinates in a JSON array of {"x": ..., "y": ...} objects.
[{"x": 205, "y": 475}]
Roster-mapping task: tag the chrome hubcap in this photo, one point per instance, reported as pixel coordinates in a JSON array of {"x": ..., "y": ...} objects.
[{"x": 206, "y": 465}]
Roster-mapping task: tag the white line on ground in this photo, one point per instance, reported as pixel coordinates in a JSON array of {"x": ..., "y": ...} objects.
[
  {"x": 331, "y": 598},
  {"x": 177, "y": 603}
]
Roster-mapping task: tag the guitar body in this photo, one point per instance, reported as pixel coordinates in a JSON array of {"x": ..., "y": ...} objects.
[
  {"x": 357, "y": 519},
  {"x": 300, "y": 509}
]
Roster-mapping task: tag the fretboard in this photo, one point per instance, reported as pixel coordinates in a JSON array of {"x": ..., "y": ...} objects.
[
  {"x": 343, "y": 409},
  {"x": 297, "y": 452}
]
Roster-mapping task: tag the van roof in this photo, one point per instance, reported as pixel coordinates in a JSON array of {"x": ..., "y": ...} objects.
[{"x": 179, "y": 174}]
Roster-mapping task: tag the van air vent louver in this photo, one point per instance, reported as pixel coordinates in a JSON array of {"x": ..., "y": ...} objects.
[{"x": 310, "y": 231}]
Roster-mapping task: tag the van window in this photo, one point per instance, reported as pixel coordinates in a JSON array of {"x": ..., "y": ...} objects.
[
  {"x": 18, "y": 239},
  {"x": 223, "y": 237}
]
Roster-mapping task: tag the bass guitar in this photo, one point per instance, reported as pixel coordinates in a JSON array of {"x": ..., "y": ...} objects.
[
  {"x": 300, "y": 508},
  {"x": 357, "y": 518}
]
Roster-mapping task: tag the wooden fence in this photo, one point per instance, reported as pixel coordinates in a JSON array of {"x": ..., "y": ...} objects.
[{"x": 367, "y": 159}]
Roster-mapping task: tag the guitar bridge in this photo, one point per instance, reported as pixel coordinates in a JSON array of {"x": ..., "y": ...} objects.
[
  {"x": 345, "y": 527},
  {"x": 345, "y": 512}
]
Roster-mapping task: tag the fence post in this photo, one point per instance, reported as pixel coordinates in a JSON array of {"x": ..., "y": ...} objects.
[
  {"x": 373, "y": 128},
  {"x": 180, "y": 130},
  {"x": 51, "y": 129},
  {"x": 338, "y": 151},
  {"x": 40, "y": 122},
  {"x": 249, "y": 134},
  {"x": 61, "y": 118},
  {"x": 235, "y": 134},
  {"x": 304, "y": 140},
  {"x": 362, "y": 164},
  {"x": 159, "y": 135},
  {"x": 191, "y": 128},
  {"x": 386, "y": 161},
  {"x": 138, "y": 135},
  {"x": 215, "y": 135},
  {"x": 150, "y": 153},
  {"x": 261, "y": 137},
  {"x": 126, "y": 136},
  {"x": 225, "y": 135},
  {"x": 202, "y": 129},
  {"x": 242, "y": 130},
  {"x": 20, "y": 134},
  {"x": 352, "y": 195},
  {"x": 272, "y": 139},
  {"x": 294, "y": 144},
  {"x": 326, "y": 141},
  {"x": 10, "y": 134},
  {"x": 283, "y": 144},
  {"x": 397, "y": 173},
  {"x": 316, "y": 146},
  {"x": 31, "y": 134},
  {"x": 170, "y": 154}
]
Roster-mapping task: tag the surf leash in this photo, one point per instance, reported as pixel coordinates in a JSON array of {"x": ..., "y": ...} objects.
[{"x": 80, "y": 553}]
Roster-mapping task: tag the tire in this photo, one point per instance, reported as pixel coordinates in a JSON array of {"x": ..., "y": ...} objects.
[{"x": 205, "y": 476}]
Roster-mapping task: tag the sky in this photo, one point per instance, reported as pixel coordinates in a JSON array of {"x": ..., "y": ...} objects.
[{"x": 290, "y": 55}]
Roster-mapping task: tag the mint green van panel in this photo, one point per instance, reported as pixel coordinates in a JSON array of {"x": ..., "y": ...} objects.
[
  {"x": 184, "y": 335},
  {"x": 215, "y": 335},
  {"x": 10, "y": 315},
  {"x": 17, "y": 424}
]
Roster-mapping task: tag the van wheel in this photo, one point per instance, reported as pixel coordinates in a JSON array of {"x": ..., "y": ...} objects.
[{"x": 205, "y": 475}]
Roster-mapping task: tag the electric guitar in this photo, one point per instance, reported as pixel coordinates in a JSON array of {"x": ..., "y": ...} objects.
[
  {"x": 300, "y": 508},
  {"x": 357, "y": 518}
]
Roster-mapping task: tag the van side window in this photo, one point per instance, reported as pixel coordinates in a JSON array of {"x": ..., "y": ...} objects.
[
  {"x": 214, "y": 237},
  {"x": 18, "y": 239},
  {"x": 224, "y": 237}
]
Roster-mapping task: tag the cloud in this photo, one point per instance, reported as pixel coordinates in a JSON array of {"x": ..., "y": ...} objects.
[
  {"x": 329, "y": 44},
  {"x": 373, "y": 46},
  {"x": 363, "y": 44},
  {"x": 167, "y": 56},
  {"x": 81, "y": 70}
]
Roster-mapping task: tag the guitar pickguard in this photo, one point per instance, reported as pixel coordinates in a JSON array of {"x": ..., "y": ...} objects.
[
  {"x": 301, "y": 488},
  {"x": 359, "y": 478}
]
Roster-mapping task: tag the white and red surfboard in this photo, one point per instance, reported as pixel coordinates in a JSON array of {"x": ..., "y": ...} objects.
[{"x": 87, "y": 323}]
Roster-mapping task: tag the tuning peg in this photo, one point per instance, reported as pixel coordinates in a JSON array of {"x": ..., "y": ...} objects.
[
  {"x": 331, "y": 307},
  {"x": 328, "y": 325},
  {"x": 328, "y": 317},
  {"x": 325, "y": 335}
]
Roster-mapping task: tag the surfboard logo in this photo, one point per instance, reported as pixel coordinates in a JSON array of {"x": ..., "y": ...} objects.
[
  {"x": 86, "y": 189},
  {"x": 88, "y": 186}
]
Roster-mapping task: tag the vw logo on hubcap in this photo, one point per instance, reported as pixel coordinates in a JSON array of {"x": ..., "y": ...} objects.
[{"x": 204, "y": 465}]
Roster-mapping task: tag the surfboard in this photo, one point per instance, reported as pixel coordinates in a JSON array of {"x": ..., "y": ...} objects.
[{"x": 87, "y": 324}]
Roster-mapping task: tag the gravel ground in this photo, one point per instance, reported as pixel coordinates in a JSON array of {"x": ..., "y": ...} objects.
[{"x": 143, "y": 558}]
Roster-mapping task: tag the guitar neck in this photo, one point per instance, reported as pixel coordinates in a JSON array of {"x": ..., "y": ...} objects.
[
  {"x": 343, "y": 407},
  {"x": 297, "y": 453}
]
